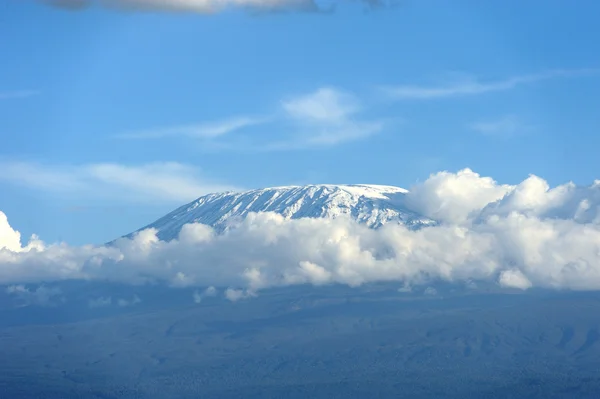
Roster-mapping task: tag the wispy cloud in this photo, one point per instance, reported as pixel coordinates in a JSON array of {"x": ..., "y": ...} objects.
[
  {"x": 156, "y": 182},
  {"x": 100, "y": 302},
  {"x": 325, "y": 105},
  {"x": 42, "y": 295},
  {"x": 16, "y": 94},
  {"x": 506, "y": 126},
  {"x": 126, "y": 302},
  {"x": 198, "y": 131},
  {"x": 475, "y": 86},
  {"x": 321, "y": 118},
  {"x": 325, "y": 117}
]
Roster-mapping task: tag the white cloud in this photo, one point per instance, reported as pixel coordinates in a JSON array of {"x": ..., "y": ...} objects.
[
  {"x": 9, "y": 239},
  {"x": 42, "y": 295},
  {"x": 100, "y": 302},
  {"x": 475, "y": 87},
  {"x": 514, "y": 279},
  {"x": 235, "y": 295},
  {"x": 324, "y": 105},
  {"x": 206, "y": 131},
  {"x": 520, "y": 236},
  {"x": 454, "y": 197},
  {"x": 197, "y": 297},
  {"x": 9, "y": 95},
  {"x": 166, "y": 182},
  {"x": 405, "y": 288},
  {"x": 534, "y": 198},
  {"x": 129, "y": 302},
  {"x": 209, "y": 292},
  {"x": 325, "y": 117},
  {"x": 506, "y": 126},
  {"x": 181, "y": 280}
]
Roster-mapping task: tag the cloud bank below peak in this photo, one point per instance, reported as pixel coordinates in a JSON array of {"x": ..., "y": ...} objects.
[{"x": 518, "y": 236}]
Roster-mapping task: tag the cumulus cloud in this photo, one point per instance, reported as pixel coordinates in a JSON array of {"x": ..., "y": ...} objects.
[
  {"x": 105, "y": 301},
  {"x": 235, "y": 295},
  {"x": 455, "y": 197},
  {"x": 9, "y": 239},
  {"x": 41, "y": 295},
  {"x": 209, "y": 292},
  {"x": 129, "y": 302},
  {"x": 405, "y": 288},
  {"x": 206, "y": 6},
  {"x": 533, "y": 197},
  {"x": 165, "y": 182},
  {"x": 519, "y": 236},
  {"x": 514, "y": 279},
  {"x": 100, "y": 302}
]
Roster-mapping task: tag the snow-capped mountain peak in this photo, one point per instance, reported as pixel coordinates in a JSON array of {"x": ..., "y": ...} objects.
[{"x": 372, "y": 205}]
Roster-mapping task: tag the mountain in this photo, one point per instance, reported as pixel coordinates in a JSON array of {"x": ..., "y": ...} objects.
[
  {"x": 373, "y": 205},
  {"x": 302, "y": 342}
]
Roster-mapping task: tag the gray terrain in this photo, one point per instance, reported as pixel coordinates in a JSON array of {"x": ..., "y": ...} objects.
[{"x": 329, "y": 342}]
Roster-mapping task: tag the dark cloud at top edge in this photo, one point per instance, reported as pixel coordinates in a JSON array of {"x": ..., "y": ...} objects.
[{"x": 306, "y": 6}]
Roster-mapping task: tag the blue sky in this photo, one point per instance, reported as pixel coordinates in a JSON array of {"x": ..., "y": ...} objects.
[{"x": 111, "y": 118}]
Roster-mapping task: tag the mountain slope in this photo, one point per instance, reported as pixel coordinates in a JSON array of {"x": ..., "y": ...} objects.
[{"x": 372, "y": 205}]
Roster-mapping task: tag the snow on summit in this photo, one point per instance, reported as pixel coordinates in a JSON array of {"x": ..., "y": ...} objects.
[{"x": 372, "y": 205}]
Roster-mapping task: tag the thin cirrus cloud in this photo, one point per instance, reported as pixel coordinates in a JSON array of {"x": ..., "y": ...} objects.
[
  {"x": 324, "y": 117},
  {"x": 168, "y": 182},
  {"x": 475, "y": 87},
  {"x": 206, "y": 131},
  {"x": 505, "y": 126},
  {"x": 517, "y": 236},
  {"x": 210, "y": 6}
]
